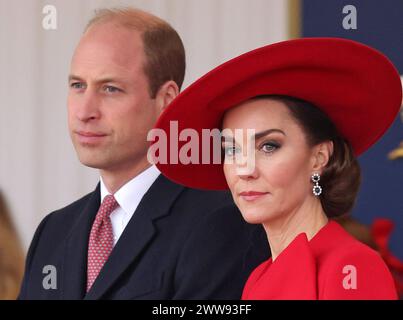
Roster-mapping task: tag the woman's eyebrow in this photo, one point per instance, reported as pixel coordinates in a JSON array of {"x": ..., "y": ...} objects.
[
  {"x": 266, "y": 132},
  {"x": 227, "y": 139},
  {"x": 257, "y": 135}
]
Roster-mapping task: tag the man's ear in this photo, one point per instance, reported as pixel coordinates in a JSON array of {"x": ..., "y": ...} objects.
[
  {"x": 166, "y": 94},
  {"x": 321, "y": 155}
]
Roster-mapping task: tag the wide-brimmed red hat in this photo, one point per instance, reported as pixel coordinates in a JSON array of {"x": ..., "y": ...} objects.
[{"x": 355, "y": 85}]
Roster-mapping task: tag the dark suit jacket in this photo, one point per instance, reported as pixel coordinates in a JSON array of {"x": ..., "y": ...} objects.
[{"x": 181, "y": 243}]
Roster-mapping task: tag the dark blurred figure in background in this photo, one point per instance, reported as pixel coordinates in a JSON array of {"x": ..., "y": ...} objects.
[
  {"x": 11, "y": 255},
  {"x": 358, "y": 230}
]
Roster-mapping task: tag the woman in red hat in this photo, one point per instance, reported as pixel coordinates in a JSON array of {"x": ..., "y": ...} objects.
[{"x": 313, "y": 106}]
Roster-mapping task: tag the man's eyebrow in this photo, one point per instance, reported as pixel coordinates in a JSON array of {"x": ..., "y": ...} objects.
[
  {"x": 74, "y": 77},
  {"x": 100, "y": 80}
]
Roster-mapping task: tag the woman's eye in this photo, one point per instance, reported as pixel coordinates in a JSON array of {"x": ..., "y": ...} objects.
[
  {"x": 269, "y": 147},
  {"x": 230, "y": 151}
]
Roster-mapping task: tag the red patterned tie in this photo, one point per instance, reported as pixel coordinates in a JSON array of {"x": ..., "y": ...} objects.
[{"x": 101, "y": 239}]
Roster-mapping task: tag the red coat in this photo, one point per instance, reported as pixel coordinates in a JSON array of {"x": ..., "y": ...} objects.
[{"x": 333, "y": 265}]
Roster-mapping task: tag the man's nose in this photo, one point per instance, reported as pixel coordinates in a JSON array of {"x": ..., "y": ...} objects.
[{"x": 88, "y": 106}]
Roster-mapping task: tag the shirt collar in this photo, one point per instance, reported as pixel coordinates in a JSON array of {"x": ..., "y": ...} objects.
[{"x": 130, "y": 194}]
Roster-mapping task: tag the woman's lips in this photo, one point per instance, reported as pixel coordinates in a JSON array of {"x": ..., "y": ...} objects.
[
  {"x": 86, "y": 137},
  {"x": 252, "y": 195}
]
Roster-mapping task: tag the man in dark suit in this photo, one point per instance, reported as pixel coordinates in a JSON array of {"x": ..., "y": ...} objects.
[{"x": 138, "y": 235}]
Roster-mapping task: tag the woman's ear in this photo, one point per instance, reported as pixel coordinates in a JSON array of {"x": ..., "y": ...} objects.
[
  {"x": 321, "y": 155},
  {"x": 166, "y": 94}
]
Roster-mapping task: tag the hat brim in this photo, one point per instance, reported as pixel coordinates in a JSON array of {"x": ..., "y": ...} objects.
[{"x": 356, "y": 86}]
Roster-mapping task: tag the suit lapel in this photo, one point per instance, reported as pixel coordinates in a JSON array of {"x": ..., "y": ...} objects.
[
  {"x": 137, "y": 234},
  {"x": 75, "y": 259}
]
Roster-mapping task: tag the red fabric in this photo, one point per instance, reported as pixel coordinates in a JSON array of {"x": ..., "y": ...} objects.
[
  {"x": 381, "y": 232},
  {"x": 314, "y": 270},
  {"x": 101, "y": 239},
  {"x": 355, "y": 85}
]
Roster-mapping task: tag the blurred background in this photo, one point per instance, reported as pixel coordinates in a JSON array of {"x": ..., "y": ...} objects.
[{"x": 39, "y": 171}]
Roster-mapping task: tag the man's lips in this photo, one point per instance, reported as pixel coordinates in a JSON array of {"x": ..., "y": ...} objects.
[
  {"x": 252, "y": 195},
  {"x": 89, "y": 137}
]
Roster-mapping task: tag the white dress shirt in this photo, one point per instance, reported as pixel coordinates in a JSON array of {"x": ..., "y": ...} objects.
[{"x": 128, "y": 197}]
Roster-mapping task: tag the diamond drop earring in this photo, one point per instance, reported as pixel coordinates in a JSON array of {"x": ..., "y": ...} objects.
[{"x": 317, "y": 189}]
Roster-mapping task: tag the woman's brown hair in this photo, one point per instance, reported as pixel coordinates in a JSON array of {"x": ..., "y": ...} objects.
[
  {"x": 341, "y": 178},
  {"x": 11, "y": 256}
]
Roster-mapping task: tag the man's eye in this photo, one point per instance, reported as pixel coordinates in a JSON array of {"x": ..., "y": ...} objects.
[
  {"x": 77, "y": 85},
  {"x": 111, "y": 89}
]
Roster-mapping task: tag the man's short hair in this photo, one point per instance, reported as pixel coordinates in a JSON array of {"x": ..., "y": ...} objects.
[{"x": 163, "y": 48}]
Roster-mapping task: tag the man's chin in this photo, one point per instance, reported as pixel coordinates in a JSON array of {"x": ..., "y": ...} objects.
[
  {"x": 91, "y": 165},
  {"x": 90, "y": 162}
]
